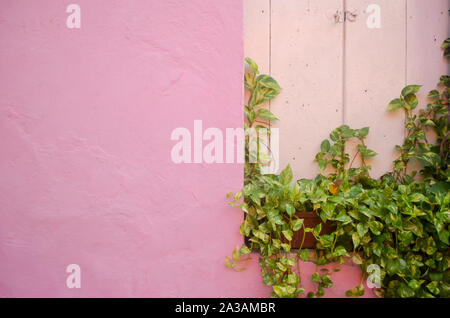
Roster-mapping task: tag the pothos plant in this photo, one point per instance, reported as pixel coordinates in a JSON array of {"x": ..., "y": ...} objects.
[
  {"x": 398, "y": 223},
  {"x": 261, "y": 88}
]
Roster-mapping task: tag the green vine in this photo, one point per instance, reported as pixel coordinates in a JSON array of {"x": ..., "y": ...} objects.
[{"x": 398, "y": 224}]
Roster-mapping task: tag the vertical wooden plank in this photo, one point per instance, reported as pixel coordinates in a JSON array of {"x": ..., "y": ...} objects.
[
  {"x": 375, "y": 73},
  {"x": 257, "y": 32},
  {"x": 257, "y": 36},
  {"x": 428, "y": 27},
  {"x": 306, "y": 60}
]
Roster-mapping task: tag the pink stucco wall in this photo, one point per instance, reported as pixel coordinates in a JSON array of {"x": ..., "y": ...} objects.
[{"x": 86, "y": 174}]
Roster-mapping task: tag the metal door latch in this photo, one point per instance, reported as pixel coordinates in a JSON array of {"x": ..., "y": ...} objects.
[
  {"x": 351, "y": 15},
  {"x": 348, "y": 15}
]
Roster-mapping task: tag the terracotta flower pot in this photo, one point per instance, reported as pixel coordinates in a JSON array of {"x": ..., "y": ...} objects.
[{"x": 311, "y": 220}]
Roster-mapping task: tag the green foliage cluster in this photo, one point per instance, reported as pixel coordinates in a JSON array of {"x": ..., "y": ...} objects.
[
  {"x": 432, "y": 155},
  {"x": 261, "y": 88},
  {"x": 399, "y": 222}
]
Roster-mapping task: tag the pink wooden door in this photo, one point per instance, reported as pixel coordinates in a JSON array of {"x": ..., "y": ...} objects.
[{"x": 336, "y": 72}]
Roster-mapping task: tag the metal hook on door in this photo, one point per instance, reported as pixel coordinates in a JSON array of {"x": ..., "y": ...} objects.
[
  {"x": 351, "y": 15},
  {"x": 348, "y": 15}
]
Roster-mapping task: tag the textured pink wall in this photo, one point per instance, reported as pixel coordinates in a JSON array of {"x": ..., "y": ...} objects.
[{"x": 85, "y": 122}]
